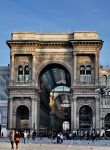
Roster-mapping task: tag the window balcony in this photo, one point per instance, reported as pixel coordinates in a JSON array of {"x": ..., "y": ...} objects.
[{"x": 22, "y": 83}]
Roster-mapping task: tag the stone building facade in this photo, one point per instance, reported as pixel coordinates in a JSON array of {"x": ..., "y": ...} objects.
[
  {"x": 4, "y": 83},
  {"x": 40, "y": 62}
]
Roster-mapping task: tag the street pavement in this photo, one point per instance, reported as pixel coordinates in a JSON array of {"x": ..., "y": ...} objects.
[{"x": 45, "y": 144}]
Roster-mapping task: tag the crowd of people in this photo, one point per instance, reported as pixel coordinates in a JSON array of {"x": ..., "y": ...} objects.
[{"x": 59, "y": 137}]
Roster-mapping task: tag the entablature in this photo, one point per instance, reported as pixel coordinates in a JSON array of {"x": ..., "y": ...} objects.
[{"x": 82, "y": 45}]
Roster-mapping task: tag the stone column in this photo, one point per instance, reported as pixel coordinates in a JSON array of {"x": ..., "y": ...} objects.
[
  {"x": 97, "y": 69},
  {"x": 97, "y": 113},
  {"x": 37, "y": 111},
  {"x": 101, "y": 113},
  {"x": 12, "y": 67},
  {"x": 10, "y": 113},
  {"x": 74, "y": 113},
  {"x": 72, "y": 108},
  {"x": 38, "y": 115},
  {"x": 75, "y": 68},
  {"x": 33, "y": 113},
  {"x": 33, "y": 67}
]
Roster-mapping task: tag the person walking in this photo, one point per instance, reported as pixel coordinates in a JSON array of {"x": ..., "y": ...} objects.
[
  {"x": 34, "y": 135},
  {"x": 17, "y": 138},
  {"x": 11, "y": 138},
  {"x": 25, "y": 136}
]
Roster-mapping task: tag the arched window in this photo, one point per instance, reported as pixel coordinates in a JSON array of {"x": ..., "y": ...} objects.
[
  {"x": 104, "y": 80},
  {"x": 82, "y": 70},
  {"x": 20, "y": 73},
  {"x": 88, "y": 74},
  {"x": 85, "y": 117},
  {"x": 26, "y": 73},
  {"x": 82, "y": 73},
  {"x": 88, "y": 70},
  {"x": 108, "y": 80}
]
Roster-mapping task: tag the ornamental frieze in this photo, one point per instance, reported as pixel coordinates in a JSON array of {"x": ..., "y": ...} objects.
[
  {"x": 22, "y": 91},
  {"x": 23, "y": 60},
  {"x": 85, "y": 48},
  {"x": 22, "y": 50}
]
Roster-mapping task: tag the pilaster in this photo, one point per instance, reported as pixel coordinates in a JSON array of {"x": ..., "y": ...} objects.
[
  {"x": 75, "y": 123},
  {"x": 10, "y": 115},
  {"x": 72, "y": 117},
  {"x": 97, "y": 113},
  {"x": 96, "y": 69},
  {"x": 12, "y": 67},
  {"x": 33, "y": 67},
  {"x": 73, "y": 113},
  {"x": 75, "y": 68}
]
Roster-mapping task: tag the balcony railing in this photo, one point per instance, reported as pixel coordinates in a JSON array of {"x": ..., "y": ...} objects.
[
  {"x": 84, "y": 90},
  {"x": 23, "y": 83}
]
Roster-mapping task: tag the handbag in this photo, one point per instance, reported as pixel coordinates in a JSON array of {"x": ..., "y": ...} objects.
[{"x": 17, "y": 139}]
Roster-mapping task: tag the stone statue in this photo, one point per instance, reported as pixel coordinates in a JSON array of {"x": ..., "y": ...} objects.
[{"x": 52, "y": 103}]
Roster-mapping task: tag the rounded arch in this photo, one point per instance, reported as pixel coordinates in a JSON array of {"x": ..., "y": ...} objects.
[
  {"x": 26, "y": 72},
  {"x": 17, "y": 106},
  {"x": 85, "y": 117},
  {"x": 46, "y": 63},
  {"x": 82, "y": 70},
  {"x": 51, "y": 74},
  {"x": 23, "y": 64},
  {"x": 24, "y": 109},
  {"x": 104, "y": 80},
  {"x": 91, "y": 106},
  {"x": 88, "y": 70},
  {"x": 22, "y": 117}
]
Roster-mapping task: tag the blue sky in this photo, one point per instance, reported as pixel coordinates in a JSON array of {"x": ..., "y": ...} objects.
[{"x": 54, "y": 16}]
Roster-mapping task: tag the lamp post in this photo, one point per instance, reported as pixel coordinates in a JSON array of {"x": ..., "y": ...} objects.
[{"x": 101, "y": 91}]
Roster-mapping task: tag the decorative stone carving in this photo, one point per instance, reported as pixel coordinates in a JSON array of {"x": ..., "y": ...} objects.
[{"x": 52, "y": 103}]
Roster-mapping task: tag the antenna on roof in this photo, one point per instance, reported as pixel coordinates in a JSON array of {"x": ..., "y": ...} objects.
[
  {"x": 41, "y": 28},
  {"x": 108, "y": 64}
]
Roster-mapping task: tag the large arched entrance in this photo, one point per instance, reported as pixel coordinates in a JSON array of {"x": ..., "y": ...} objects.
[
  {"x": 85, "y": 117},
  {"x": 22, "y": 117},
  {"x": 53, "y": 76}
]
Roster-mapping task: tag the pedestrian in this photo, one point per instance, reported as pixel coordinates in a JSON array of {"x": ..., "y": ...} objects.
[
  {"x": 17, "y": 138},
  {"x": 61, "y": 138},
  {"x": 58, "y": 138},
  {"x": 2, "y": 134},
  {"x": 25, "y": 136},
  {"x": 11, "y": 138},
  {"x": 34, "y": 135}
]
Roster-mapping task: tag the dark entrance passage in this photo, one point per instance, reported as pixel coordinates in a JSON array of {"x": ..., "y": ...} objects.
[
  {"x": 53, "y": 76},
  {"x": 107, "y": 121},
  {"x": 85, "y": 117},
  {"x": 22, "y": 117}
]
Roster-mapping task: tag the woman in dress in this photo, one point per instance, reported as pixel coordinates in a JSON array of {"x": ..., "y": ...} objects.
[{"x": 17, "y": 138}]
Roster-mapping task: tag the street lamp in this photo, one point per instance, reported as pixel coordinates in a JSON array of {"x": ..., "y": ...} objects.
[{"x": 101, "y": 91}]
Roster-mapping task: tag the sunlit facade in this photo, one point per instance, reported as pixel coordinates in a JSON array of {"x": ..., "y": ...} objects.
[{"x": 56, "y": 79}]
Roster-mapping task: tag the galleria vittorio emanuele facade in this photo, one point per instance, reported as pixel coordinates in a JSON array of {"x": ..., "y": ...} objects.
[{"x": 56, "y": 79}]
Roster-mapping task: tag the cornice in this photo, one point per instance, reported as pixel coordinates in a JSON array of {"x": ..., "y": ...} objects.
[
  {"x": 97, "y": 43},
  {"x": 43, "y": 44},
  {"x": 11, "y": 43}
]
